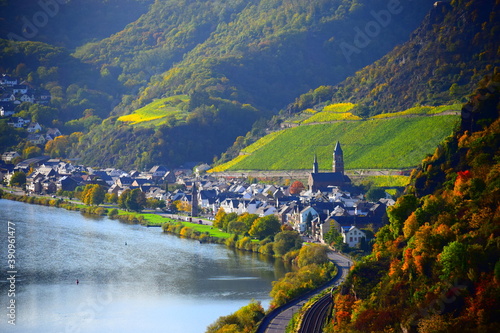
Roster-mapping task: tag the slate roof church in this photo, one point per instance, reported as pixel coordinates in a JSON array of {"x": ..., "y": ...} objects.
[{"x": 321, "y": 181}]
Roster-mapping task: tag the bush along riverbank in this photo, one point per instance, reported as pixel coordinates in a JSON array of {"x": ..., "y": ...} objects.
[
  {"x": 312, "y": 270},
  {"x": 310, "y": 263}
]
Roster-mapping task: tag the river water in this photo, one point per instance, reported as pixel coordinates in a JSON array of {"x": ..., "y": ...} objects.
[{"x": 131, "y": 278}]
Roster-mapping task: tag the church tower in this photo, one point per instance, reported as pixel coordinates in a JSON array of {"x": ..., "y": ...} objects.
[
  {"x": 194, "y": 201},
  {"x": 315, "y": 164},
  {"x": 338, "y": 159}
]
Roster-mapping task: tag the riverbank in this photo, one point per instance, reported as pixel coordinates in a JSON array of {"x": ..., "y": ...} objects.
[
  {"x": 125, "y": 272},
  {"x": 309, "y": 273}
]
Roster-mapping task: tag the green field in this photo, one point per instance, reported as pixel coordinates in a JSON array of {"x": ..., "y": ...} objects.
[
  {"x": 158, "y": 112},
  {"x": 391, "y": 143}
]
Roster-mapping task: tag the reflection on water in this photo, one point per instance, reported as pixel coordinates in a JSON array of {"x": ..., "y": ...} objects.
[{"x": 131, "y": 278}]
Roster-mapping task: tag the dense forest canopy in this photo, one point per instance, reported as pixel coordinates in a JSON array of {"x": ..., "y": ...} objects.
[{"x": 68, "y": 23}]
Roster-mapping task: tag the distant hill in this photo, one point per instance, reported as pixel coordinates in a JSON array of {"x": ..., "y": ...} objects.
[
  {"x": 258, "y": 52},
  {"x": 230, "y": 57}
]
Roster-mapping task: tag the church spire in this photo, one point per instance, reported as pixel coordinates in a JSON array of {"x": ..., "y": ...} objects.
[
  {"x": 338, "y": 159},
  {"x": 315, "y": 164}
]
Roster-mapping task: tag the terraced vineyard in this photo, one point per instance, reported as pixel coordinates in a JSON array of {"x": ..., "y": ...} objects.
[
  {"x": 392, "y": 143},
  {"x": 158, "y": 112}
]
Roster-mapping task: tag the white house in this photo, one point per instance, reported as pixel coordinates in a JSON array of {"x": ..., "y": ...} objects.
[
  {"x": 230, "y": 205},
  {"x": 303, "y": 216},
  {"x": 34, "y": 127},
  {"x": 351, "y": 235},
  {"x": 18, "y": 122},
  {"x": 20, "y": 89},
  {"x": 6, "y": 97},
  {"x": 266, "y": 210},
  {"x": 52, "y": 133},
  {"x": 8, "y": 80},
  {"x": 27, "y": 98},
  {"x": 9, "y": 156},
  {"x": 158, "y": 171}
]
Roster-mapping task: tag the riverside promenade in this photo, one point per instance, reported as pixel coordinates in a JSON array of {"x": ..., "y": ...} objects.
[{"x": 278, "y": 319}]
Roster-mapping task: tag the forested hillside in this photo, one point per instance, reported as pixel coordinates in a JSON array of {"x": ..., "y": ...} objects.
[
  {"x": 260, "y": 52},
  {"x": 435, "y": 267},
  {"x": 455, "y": 46},
  {"x": 67, "y": 23}
]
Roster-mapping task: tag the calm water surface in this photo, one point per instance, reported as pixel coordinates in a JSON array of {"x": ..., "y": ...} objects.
[{"x": 131, "y": 278}]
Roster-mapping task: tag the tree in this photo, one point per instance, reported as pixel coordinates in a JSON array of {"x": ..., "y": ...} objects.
[
  {"x": 219, "y": 217},
  {"x": 248, "y": 219},
  {"x": 111, "y": 198},
  {"x": 312, "y": 254},
  {"x": 237, "y": 227},
  {"x": 132, "y": 200},
  {"x": 31, "y": 151},
  {"x": 286, "y": 241},
  {"x": 265, "y": 226},
  {"x": 399, "y": 213},
  {"x": 155, "y": 203},
  {"x": 453, "y": 259},
  {"x": 18, "y": 179},
  {"x": 374, "y": 194},
  {"x": 333, "y": 237},
  {"x": 58, "y": 147},
  {"x": 297, "y": 187},
  {"x": 228, "y": 218},
  {"x": 93, "y": 195}
]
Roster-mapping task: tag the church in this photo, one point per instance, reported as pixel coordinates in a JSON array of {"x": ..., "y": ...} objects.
[{"x": 323, "y": 181}]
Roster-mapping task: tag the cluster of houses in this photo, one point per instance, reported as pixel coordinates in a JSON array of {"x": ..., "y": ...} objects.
[
  {"x": 13, "y": 93},
  {"x": 313, "y": 212}
]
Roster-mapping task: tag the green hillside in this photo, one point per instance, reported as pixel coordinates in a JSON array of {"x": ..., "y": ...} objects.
[
  {"x": 444, "y": 59},
  {"x": 258, "y": 52},
  {"x": 372, "y": 144}
]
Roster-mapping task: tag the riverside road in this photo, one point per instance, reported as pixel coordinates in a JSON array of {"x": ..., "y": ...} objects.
[{"x": 280, "y": 321}]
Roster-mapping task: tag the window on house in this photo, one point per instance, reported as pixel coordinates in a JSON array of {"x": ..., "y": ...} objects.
[{"x": 350, "y": 239}]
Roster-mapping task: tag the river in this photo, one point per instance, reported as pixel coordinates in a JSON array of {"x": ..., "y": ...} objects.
[{"x": 131, "y": 278}]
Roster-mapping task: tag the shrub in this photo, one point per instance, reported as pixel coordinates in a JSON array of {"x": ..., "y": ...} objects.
[{"x": 113, "y": 212}]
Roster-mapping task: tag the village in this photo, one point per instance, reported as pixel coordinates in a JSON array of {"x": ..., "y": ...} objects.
[
  {"x": 329, "y": 199},
  {"x": 14, "y": 92}
]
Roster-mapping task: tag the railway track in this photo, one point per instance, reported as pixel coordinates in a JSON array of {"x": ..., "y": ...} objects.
[
  {"x": 316, "y": 315},
  {"x": 277, "y": 320}
]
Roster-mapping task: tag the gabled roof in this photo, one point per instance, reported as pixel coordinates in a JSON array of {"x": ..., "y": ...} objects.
[
  {"x": 330, "y": 177},
  {"x": 157, "y": 168}
]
